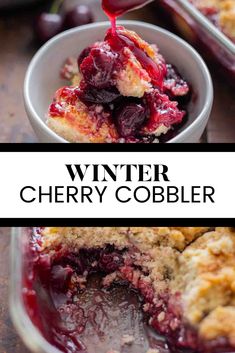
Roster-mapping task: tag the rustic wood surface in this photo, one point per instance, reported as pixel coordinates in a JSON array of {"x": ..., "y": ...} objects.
[{"x": 17, "y": 46}]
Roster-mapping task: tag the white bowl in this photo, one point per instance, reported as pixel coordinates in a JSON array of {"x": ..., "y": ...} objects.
[{"x": 42, "y": 77}]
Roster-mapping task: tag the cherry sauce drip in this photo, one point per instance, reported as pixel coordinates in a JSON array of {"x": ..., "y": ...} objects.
[{"x": 115, "y": 8}]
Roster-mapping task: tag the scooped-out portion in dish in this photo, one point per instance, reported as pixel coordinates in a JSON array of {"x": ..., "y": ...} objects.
[
  {"x": 136, "y": 289},
  {"x": 120, "y": 89}
]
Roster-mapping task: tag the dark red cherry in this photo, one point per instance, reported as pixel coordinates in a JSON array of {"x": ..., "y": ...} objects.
[
  {"x": 88, "y": 94},
  {"x": 78, "y": 16},
  {"x": 162, "y": 111},
  {"x": 174, "y": 83},
  {"x": 129, "y": 119},
  {"x": 97, "y": 68},
  {"x": 110, "y": 262},
  {"x": 48, "y": 25},
  {"x": 60, "y": 276},
  {"x": 83, "y": 55}
]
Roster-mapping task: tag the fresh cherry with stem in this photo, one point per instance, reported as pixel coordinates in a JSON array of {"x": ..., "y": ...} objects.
[
  {"x": 78, "y": 16},
  {"x": 48, "y": 24}
]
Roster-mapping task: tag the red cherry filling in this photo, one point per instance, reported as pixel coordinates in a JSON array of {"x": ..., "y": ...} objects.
[
  {"x": 110, "y": 262},
  {"x": 162, "y": 111},
  {"x": 129, "y": 119},
  {"x": 83, "y": 55},
  {"x": 71, "y": 307},
  {"x": 60, "y": 277},
  {"x": 120, "y": 40},
  {"x": 98, "y": 67},
  {"x": 174, "y": 84},
  {"x": 56, "y": 110},
  {"x": 136, "y": 119},
  {"x": 65, "y": 96}
]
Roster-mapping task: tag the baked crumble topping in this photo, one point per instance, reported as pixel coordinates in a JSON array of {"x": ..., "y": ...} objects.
[
  {"x": 143, "y": 237},
  {"x": 220, "y": 12},
  {"x": 206, "y": 278},
  {"x": 184, "y": 275}
]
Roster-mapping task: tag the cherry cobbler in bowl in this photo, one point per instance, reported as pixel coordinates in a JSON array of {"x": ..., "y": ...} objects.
[
  {"x": 121, "y": 90},
  {"x": 178, "y": 282}
]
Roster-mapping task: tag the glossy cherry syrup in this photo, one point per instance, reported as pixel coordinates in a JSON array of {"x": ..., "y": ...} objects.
[
  {"x": 118, "y": 40},
  {"x": 90, "y": 316},
  {"x": 85, "y": 318},
  {"x": 99, "y": 65}
]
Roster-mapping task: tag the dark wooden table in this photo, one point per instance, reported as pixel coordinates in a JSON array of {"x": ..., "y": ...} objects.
[{"x": 17, "y": 46}]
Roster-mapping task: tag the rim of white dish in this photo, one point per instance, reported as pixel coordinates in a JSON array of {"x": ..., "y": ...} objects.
[{"x": 187, "y": 131}]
